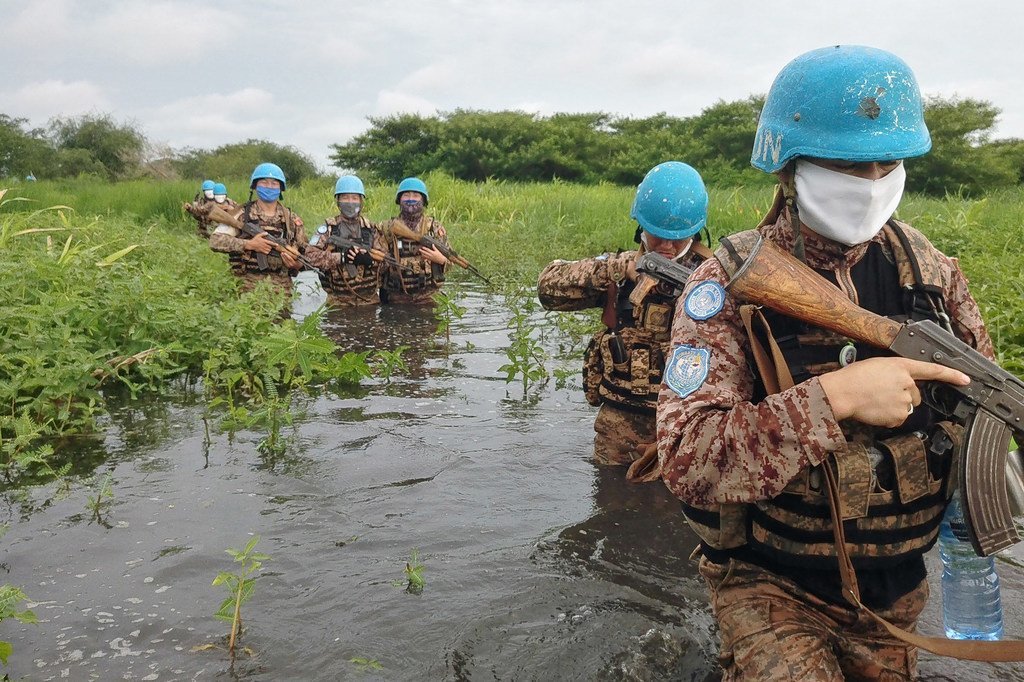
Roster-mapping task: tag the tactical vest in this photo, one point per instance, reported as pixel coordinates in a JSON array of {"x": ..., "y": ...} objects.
[
  {"x": 624, "y": 366},
  {"x": 894, "y": 483},
  {"x": 279, "y": 225},
  {"x": 415, "y": 273},
  {"x": 359, "y": 280}
]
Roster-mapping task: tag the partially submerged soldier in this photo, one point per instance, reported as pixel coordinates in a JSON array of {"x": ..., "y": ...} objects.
[
  {"x": 255, "y": 257},
  {"x": 421, "y": 270},
  {"x": 744, "y": 442},
  {"x": 200, "y": 206},
  {"x": 624, "y": 363},
  {"x": 342, "y": 248}
]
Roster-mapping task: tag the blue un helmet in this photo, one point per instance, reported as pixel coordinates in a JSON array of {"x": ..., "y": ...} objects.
[
  {"x": 671, "y": 201},
  {"x": 207, "y": 185},
  {"x": 349, "y": 184},
  {"x": 267, "y": 170},
  {"x": 413, "y": 185},
  {"x": 220, "y": 188},
  {"x": 845, "y": 102}
]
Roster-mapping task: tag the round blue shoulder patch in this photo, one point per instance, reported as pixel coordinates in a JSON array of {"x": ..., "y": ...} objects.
[
  {"x": 322, "y": 229},
  {"x": 704, "y": 300},
  {"x": 687, "y": 369}
]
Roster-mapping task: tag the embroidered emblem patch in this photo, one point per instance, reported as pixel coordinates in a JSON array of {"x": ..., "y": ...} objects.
[
  {"x": 322, "y": 229},
  {"x": 314, "y": 240},
  {"x": 847, "y": 354},
  {"x": 687, "y": 369},
  {"x": 704, "y": 300}
]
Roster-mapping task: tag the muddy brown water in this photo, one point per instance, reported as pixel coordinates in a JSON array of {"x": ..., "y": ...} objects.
[{"x": 538, "y": 565}]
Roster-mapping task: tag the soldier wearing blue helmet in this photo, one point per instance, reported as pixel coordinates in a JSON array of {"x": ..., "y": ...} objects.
[
  {"x": 255, "y": 257},
  {"x": 757, "y": 404},
  {"x": 421, "y": 270},
  {"x": 624, "y": 363},
  {"x": 199, "y": 207},
  {"x": 343, "y": 248}
]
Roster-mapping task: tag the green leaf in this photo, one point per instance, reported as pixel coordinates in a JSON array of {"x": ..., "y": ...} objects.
[
  {"x": 116, "y": 256},
  {"x": 5, "y": 651}
]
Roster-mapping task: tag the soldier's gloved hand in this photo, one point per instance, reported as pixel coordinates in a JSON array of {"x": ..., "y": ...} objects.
[
  {"x": 364, "y": 259},
  {"x": 351, "y": 253}
]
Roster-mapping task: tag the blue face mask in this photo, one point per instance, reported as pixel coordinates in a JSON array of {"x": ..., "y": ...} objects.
[{"x": 268, "y": 194}]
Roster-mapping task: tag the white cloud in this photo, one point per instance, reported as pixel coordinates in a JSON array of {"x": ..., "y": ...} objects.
[
  {"x": 41, "y": 25},
  {"x": 392, "y": 102},
  {"x": 214, "y": 119},
  {"x": 436, "y": 78},
  {"x": 162, "y": 32},
  {"x": 43, "y": 100}
]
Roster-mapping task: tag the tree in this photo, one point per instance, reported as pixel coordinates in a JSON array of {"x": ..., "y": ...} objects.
[
  {"x": 961, "y": 159},
  {"x": 393, "y": 148},
  {"x": 116, "y": 148},
  {"x": 238, "y": 160},
  {"x": 24, "y": 151}
]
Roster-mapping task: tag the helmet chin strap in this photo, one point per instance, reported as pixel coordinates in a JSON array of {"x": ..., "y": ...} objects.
[{"x": 788, "y": 184}]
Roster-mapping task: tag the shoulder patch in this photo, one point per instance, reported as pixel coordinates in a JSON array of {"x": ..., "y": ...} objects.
[
  {"x": 314, "y": 240},
  {"x": 704, "y": 300},
  {"x": 687, "y": 369}
]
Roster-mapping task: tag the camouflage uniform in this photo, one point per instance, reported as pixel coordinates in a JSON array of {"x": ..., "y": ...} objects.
[
  {"x": 734, "y": 456},
  {"x": 198, "y": 209},
  {"x": 346, "y": 284},
  {"x": 282, "y": 222},
  {"x": 418, "y": 279},
  {"x": 623, "y": 366}
]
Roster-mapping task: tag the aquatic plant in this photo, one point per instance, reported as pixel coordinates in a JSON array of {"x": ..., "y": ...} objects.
[
  {"x": 102, "y": 500},
  {"x": 10, "y": 598},
  {"x": 446, "y": 311},
  {"x": 384, "y": 363},
  {"x": 240, "y": 586},
  {"x": 366, "y": 664},
  {"x": 414, "y": 581},
  {"x": 526, "y": 356}
]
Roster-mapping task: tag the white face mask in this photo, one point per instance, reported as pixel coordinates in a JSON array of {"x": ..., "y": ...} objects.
[
  {"x": 845, "y": 208},
  {"x": 219, "y": 198},
  {"x": 208, "y": 193}
]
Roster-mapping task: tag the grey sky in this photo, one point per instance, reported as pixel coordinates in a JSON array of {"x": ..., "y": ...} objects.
[{"x": 308, "y": 73}]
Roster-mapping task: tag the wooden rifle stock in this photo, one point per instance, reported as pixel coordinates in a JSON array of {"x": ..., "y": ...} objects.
[
  {"x": 404, "y": 232},
  {"x": 219, "y": 215},
  {"x": 774, "y": 278}
]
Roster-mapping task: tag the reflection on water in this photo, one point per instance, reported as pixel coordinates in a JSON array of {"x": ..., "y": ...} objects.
[{"x": 538, "y": 565}]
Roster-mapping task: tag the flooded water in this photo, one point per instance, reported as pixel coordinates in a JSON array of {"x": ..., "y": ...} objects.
[{"x": 537, "y": 564}]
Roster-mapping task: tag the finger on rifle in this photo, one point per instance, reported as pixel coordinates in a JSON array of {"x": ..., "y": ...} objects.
[{"x": 930, "y": 371}]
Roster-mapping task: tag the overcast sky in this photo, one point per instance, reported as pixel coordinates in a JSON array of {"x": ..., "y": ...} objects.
[{"x": 309, "y": 73}]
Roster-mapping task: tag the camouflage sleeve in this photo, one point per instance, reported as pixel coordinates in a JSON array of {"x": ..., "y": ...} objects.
[
  {"x": 714, "y": 444},
  {"x": 224, "y": 241},
  {"x": 579, "y": 284},
  {"x": 301, "y": 238},
  {"x": 964, "y": 313},
  {"x": 323, "y": 259}
]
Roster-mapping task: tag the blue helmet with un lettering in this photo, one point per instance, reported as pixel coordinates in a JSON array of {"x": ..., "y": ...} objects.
[
  {"x": 671, "y": 201},
  {"x": 846, "y": 102}
]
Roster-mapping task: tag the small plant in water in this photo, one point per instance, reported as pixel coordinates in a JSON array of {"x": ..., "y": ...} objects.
[
  {"x": 10, "y": 598},
  {"x": 414, "y": 582},
  {"x": 525, "y": 354},
  {"x": 386, "y": 362},
  {"x": 365, "y": 664},
  {"x": 241, "y": 585},
  {"x": 446, "y": 311},
  {"x": 102, "y": 500}
]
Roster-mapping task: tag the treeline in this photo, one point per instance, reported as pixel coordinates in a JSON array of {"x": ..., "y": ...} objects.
[
  {"x": 97, "y": 145},
  {"x": 598, "y": 147},
  {"x": 509, "y": 145}
]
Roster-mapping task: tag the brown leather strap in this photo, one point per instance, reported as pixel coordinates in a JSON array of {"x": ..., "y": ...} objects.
[
  {"x": 610, "y": 316},
  {"x": 773, "y": 370},
  {"x": 1004, "y": 651}
]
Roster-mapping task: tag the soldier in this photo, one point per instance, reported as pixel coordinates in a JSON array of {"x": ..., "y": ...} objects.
[
  {"x": 351, "y": 272},
  {"x": 255, "y": 258},
  {"x": 743, "y": 441},
  {"x": 220, "y": 195},
  {"x": 421, "y": 271},
  {"x": 623, "y": 365},
  {"x": 202, "y": 202}
]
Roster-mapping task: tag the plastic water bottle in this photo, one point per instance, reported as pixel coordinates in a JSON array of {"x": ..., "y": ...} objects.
[{"x": 971, "y": 607}]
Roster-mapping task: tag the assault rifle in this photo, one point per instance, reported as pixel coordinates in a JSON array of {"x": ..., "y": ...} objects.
[
  {"x": 991, "y": 407},
  {"x": 664, "y": 269},
  {"x": 376, "y": 254},
  {"x": 404, "y": 232},
  {"x": 219, "y": 215}
]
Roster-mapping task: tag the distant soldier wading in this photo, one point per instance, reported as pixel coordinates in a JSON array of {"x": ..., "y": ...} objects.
[
  {"x": 422, "y": 269},
  {"x": 624, "y": 363},
  {"x": 204, "y": 199},
  {"x": 256, "y": 257},
  {"x": 351, "y": 273}
]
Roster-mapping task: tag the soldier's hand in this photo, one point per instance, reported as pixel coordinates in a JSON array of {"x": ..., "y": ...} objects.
[
  {"x": 290, "y": 261},
  {"x": 259, "y": 244},
  {"x": 433, "y": 255},
  {"x": 882, "y": 391}
]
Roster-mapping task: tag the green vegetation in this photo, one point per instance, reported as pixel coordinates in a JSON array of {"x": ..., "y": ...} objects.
[
  {"x": 526, "y": 355},
  {"x": 365, "y": 664},
  {"x": 414, "y": 581},
  {"x": 446, "y": 311},
  {"x": 597, "y": 147},
  {"x": 237, "y": 161},
  {"x": 240, "y": 586},
  {"x": 102, "y": 500},
  {"x": 10, "y": 598}
]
